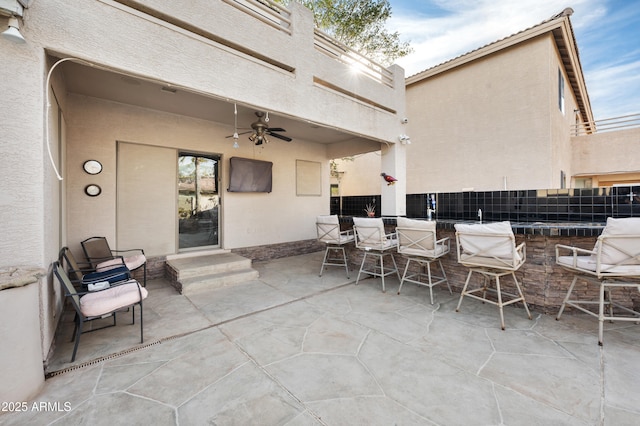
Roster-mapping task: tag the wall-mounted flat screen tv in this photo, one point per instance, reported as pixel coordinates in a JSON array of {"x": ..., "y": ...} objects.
[{"x": 247, "y": 175}]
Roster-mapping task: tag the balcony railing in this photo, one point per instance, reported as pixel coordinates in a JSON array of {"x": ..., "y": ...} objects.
[
  {"x": 336, "y": 50},
  {"x": 279, "y": 17},
  {"x": 267, "y": 11},
  {"x": 606, "y": 125}
]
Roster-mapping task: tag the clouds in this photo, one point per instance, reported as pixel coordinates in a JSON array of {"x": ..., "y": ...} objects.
[{"x": 440, "y": 30}]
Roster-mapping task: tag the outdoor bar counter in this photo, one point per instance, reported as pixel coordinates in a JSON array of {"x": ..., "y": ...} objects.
[{"x": 544, "y": 283}]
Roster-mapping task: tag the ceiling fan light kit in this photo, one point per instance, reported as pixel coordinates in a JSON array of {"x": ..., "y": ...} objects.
[{"x": 260, "y": 130}]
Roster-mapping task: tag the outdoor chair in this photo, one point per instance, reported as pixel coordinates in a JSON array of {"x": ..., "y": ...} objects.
[
  {"x": 613, "y": 263},
  {"x": 372, "y": 240},
  {"x": 328, "y": 229},
  {"x": 102, "y": 258},
  {"x": 82, "y": 277},
  {"x": 90, "y": 306},
  {"x": 418, "y": 243},
  {"x": 490, "y": 250}
]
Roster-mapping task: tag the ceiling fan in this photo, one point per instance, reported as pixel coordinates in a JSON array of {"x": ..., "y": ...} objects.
[{"x": 261, "y": 130}]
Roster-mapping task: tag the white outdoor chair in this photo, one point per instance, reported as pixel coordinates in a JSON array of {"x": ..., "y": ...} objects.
[
  {"x": 490, "y": 250},
  {"x": 418, "y": 243},
  {"x": 328, "y": 228},
  {"x": 372, "y": 240},
  {"x": 614, "y": 262}
]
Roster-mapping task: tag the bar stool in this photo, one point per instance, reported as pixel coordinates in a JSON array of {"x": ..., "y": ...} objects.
[{"x": 328, "y": 229}]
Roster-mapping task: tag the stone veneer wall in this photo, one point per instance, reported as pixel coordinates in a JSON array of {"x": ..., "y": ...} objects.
[
  {"x": 543, "y": 282},
  {"x": 155, "y": 269},
  {"x": 276, "y": 251}
]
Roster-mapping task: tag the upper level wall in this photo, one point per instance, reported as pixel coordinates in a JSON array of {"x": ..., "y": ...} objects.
[
  {"x": 218, "y": 49},
  {"x": 483, "y": 125},
  {"x": 618, "y": 147}
]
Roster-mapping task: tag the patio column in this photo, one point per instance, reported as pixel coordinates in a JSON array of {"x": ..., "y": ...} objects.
[{"x": 394, "y": 163}]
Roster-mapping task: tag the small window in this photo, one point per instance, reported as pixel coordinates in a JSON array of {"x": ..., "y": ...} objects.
[{"x": 560, "y": 91}]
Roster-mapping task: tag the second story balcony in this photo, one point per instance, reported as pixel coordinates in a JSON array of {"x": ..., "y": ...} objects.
[{"x": 211, "y": 55}]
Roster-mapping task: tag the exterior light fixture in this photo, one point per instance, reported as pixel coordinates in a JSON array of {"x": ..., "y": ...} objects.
[
  {"x": 13, "y": 31},
  {"x": 404, "y": 139}
]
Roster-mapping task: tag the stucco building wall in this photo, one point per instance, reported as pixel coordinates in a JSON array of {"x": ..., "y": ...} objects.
[
  {"x": 94, "y": 129},
  {"x": 607, "y": 156},
  {"x": 483, "y": 124}
]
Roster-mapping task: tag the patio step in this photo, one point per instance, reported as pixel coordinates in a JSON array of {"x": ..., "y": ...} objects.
[{"x": 197, "y": 273}]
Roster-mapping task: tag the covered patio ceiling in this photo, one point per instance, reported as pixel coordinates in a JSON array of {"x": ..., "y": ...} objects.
[{"x": 116, "y": 87}]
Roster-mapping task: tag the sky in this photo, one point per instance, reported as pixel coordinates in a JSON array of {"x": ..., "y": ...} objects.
[{"x": 607, "y": 33}]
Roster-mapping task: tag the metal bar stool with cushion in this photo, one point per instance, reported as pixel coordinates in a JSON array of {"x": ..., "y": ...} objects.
[
  {"x": 102, "y": 258},
  {"x": 90, "y": 306},
  {"x": 417, "y": 242},
  {"x": 490, "y": 250},
  {"x": 371, "y": 238},
  {"x": 614, "y": 263},
  {"x": 328, "y": 228}
]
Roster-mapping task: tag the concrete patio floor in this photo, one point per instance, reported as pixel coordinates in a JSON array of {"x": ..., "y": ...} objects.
[{"x": 292, "y": 348}]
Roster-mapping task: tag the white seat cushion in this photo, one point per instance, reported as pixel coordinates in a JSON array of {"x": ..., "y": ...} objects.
[
  {"x": 496, "y": 238},
  {"x": 328, "y": 228},
  {"x": 111, "y": 299},
  {"x": 370, "y": 231},
  {"x": 416, "y": 234},
  {"x": 439, "y": 250},
  {"x": 403, "y": 222},
  {"x": 588, "y": 264},
  {"x": 613, "y": 249}
]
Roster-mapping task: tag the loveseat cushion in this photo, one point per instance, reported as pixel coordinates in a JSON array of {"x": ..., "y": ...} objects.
[{"x": 106, "y": 301}]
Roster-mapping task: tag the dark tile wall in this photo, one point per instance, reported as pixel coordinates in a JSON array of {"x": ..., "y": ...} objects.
[
  {"x": 592, "y": 205},
  {"x": 355, "y": 205}
]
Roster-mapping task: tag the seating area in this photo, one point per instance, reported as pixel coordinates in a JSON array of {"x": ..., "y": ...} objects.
[
  {"x": 92, "y": 305},
  {"x": 293, "y": 347},
  {"x": 322, "y": 346},
  {"x": 101, "y": 287},
  {"x": 490, "y": 254}
]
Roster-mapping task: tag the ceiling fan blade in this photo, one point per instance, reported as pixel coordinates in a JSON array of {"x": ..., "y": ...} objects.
[
  {"x": 276, "y": 129},
  {"x": 242, "y": 133},
  {"x": 284, "y": 138}
]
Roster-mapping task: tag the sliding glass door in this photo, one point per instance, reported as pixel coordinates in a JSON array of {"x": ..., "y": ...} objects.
[{"x": 198, "y": 201}]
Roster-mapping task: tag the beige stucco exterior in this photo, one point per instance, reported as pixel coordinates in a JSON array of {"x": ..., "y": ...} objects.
[
  {"x": 619, "y": 148},
  {"x": 491, "y": 120},
  {"x": 215, "y": 55},
  {"x": 494, "y": 117}
]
